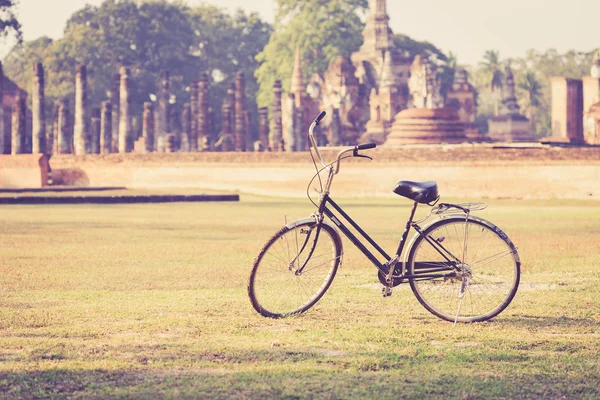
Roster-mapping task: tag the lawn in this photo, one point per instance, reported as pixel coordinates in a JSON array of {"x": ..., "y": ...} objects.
[{"x": 146, "y": 301}]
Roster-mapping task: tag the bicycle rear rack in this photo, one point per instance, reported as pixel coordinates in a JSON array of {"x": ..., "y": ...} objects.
[{"x": 446, "y": 208}]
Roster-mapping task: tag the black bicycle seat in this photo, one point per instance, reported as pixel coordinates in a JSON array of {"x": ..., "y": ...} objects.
[{"x": 421, "y": 192}]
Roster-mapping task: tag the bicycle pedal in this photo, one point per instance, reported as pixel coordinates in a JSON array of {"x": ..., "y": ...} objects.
[{"x": 386, "y": 291}]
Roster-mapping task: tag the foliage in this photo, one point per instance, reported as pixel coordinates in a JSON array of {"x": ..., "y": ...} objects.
[
  {"x": 532, "y": 76},
  {"x": 322, "y": 30},
  {"x": 8, "y": 21},
  {"x": 152, "y": 36}
]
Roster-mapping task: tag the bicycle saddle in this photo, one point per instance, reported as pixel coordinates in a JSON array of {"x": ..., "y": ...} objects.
[{"x": 421, "y": 192}]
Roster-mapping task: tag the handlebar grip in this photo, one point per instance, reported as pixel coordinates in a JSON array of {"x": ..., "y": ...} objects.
[
  {"x": 320, "y": 117},
  {"x": 366, "y": 146}
]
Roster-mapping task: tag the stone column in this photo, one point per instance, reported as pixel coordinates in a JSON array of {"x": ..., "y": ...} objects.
[
  {"x": 335, "y": 127},
  {"x": 18, "y": 124},
  {"x": 106, "y": 129},
  {"x": 240, "y": 109},
  {"x": 95, "y": 132},
  {"x": 174, "y": 123},
  {"x": 65, "y": 141},
  {"x": 2, "y": 140},
  {"x": 162, "y": 112},
  {"x": 125, "y": 131},
  {"x": 276, "y": 133},
  {"x": 194, "y": 103},
  {"x": 81, "y": 133},
  {"x": 203, "y": 132},
  {"x": 115, "y": 118},
  {"x": 148, "y": 126},
  {"x": 186, "y": 122},
  {"x": 289, "y": 122},
  {"x": 263, "y": 126},
  {"x": 299, "y": 133},
  {"x": 38, "y": 124},
  {"x": 52, "y": 137}
]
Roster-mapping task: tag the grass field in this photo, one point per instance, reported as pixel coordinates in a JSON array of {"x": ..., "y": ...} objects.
[{"x": 146, "y": 301}]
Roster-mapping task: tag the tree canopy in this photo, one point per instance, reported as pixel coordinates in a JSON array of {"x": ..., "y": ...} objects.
[
  {"x": 321, "y": 29},
  {"x": 8, "y": 21},
  {"x": 532, "y": 76},
  {"x": 152, "y": 36}
]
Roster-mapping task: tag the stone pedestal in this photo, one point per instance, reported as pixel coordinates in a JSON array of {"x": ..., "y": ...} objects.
[
  {"x": 510, "y": 128},
  {"x": 425, "y": 126}
]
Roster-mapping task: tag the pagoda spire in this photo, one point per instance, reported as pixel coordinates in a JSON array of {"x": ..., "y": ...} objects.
[
  {"x": 298, "y": 87},
  {"x": 377, "y": 33},
  {"x": 388, "y": 79}
]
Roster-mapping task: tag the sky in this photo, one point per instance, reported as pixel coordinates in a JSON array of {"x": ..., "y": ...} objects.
[{"x": 466, "y": 27}]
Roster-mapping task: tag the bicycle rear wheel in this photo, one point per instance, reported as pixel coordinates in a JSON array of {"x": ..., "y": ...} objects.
[
  {"x": 294, "y": 269},
  {"x": 477, "y": 269}
]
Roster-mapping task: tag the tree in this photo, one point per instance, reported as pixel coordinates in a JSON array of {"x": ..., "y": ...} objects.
[
  {"x": 532, "y": 96},
  {"x": 8, "y": 21},
  {"x": 148, "y": 38},
  {"x": 322, "y": 30},
  {"x": 493, "y": 66}
]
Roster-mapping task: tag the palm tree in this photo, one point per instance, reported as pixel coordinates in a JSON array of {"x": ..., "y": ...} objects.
[
  {"x": 493, "y": 66},
  {"x": 532, "y": 88}
]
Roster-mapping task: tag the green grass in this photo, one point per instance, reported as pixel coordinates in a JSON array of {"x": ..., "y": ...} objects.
[{"x": 146, "y": 301}]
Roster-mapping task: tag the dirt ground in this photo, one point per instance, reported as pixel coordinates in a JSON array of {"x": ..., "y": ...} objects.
[{"x": 460, "y": 171}]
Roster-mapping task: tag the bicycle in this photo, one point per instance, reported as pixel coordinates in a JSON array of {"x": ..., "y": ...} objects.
[{"x": 461, "y": 268}]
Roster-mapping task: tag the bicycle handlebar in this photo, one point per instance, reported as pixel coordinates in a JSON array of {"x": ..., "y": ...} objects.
[
  {"x": 366, "y": 146},
  {"x": 354, "y": 149}
]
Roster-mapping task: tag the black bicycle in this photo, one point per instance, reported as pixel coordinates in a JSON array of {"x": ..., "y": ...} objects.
[{"x": 460, "y": 267}]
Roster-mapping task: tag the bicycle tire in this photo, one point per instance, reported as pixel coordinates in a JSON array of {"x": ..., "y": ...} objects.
[
  {"x": 490, "y": 258},
  {"x": 274, "y": 287}
]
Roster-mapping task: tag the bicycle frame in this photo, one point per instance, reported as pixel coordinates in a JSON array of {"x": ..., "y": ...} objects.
[{"x": 428, "y": 271}]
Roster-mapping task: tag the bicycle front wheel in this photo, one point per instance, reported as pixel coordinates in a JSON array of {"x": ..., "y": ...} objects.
[
  {"x": 294, "y": 269},
  {"x": 470, "y": 270}
]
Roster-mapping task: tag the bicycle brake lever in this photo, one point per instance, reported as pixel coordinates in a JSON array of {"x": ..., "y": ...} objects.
[{"x": 360, "y": 155}]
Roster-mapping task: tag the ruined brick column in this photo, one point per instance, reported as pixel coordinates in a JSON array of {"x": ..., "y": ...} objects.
[
  {"x": 148, "y": 126},
  {"x": 276, "y": 134},
  {"x": 81, "y": 132},
  {"x": 203, "y": 117},
  {"x": 263, "y": 126},
  {"x": 95, "y": 132},
  {"x": 174, "y": 124},
  {"x": 162, "y": 112},
  {"x": 186, "y": 122},
  {"x": 299, "y": 133},
  {"x": 240, "y": 109},
  {"x": 115, "y": 101},
  {"x": 193, "y": 138},
  {"x": 38, "y": 125},
  {"x": 2, "y": 140},
  {"x": 106, "y": 129},
  {"x": 289, "y": 122},
  {"x": 18, "y": 124},
  {"x": 65, "y": 141},
  {"x": 125, "y": 131},
  {"x": 52, "y": 137}
]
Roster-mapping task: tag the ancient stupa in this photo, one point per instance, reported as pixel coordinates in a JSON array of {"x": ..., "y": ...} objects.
[
  {"x": 510, "y": 125},
  {"x": 428, "y": 121}
]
